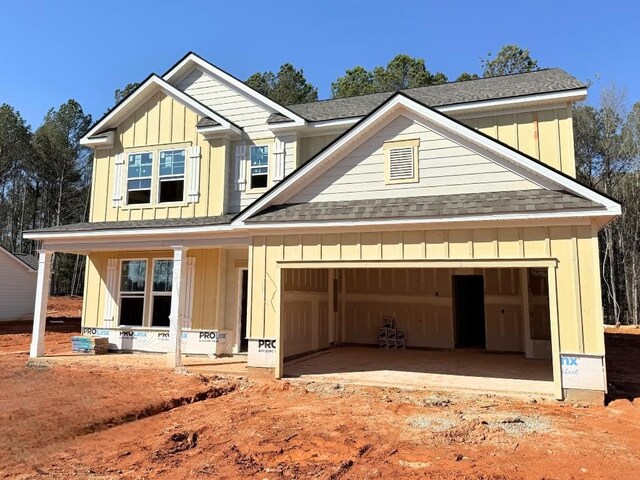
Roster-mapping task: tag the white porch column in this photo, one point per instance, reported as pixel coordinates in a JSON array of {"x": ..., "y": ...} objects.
[
  {"x": 174, "y": 352},
  {"x": 40, "y": 309}
]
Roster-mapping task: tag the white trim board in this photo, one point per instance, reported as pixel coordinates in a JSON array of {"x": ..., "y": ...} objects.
[
  {"x": 398, "y": 105},
  {"x": 152, "y": 85},
  {"x": 191, "y": 61}
]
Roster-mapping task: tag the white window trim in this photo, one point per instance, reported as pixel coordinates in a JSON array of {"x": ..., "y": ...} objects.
[
  {"x": 250, "y": 168},
  {"x": 161, "y": 177},
  {"x": 126, "y": 182},
  {"x": 153, "y": 293},
  {"x": 414, "y": 144},
  {"x": 133, "y": 294},
  {"x": 155, "y": 182}
]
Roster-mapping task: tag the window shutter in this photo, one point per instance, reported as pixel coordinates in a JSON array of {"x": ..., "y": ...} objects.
[
  {"x": 279, "y": 159},
  {"x": 189, "y": 287},
  {"x": 118, "y": 180},
  {"x": 401, "y": 165},
  {"x": 111, "y": 292},
  {"x": 194, "y": 174},
  {"x": 241, "y": 167}
]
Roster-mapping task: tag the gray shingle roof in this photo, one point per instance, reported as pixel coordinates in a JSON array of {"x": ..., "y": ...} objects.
[
  {"x": 207, "y": 122},
  {"x": 28, "y": 259},
  {"x": 540, "y": 81},
  {"x": 424, "y": 207},
  {"x": 137, "y": 224}
]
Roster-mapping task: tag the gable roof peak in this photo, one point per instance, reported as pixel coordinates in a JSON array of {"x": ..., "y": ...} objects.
[{"x": 192, "y": 60}]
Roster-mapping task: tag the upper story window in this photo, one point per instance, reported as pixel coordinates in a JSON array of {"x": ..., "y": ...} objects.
[
  {"x": 171, "y": 176},
  {"x": 162, "y": 182},
  {"x": 259, "y": 168},
  {"x": 139, "y": 174}
]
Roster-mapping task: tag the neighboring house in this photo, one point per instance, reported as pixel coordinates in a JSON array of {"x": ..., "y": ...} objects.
[
  {"x": 222, "y": 222},
  {"x": 18, "y": 280}
]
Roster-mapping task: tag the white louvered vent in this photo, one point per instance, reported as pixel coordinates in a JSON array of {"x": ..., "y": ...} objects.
[{"x": 401, "y": 164}]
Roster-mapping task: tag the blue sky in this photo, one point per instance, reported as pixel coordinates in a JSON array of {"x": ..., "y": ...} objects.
[{"x": 55, "y": 50}]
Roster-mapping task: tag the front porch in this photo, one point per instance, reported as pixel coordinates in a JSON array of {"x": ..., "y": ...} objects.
[{"x": 146, "y": 296}]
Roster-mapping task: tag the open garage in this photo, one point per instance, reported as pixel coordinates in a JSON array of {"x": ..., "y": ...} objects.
[{"x": 475, "y": 328}]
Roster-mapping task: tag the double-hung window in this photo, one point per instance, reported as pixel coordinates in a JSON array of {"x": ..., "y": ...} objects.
[
  {"x": 161, "y": 292},
  {"x": 133, "y": 277},
  {"x": 139, "y": 173},
  {"x": 171, "y": 176},
  {"x": 259, "y": 166}
]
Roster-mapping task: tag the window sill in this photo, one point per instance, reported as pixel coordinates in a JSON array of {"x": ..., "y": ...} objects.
[
  {"x": 257, "y": 191},
  {"x": 141, "y": 206}
]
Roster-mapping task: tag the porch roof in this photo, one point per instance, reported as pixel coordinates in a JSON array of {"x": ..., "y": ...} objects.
[
  {"x": 137, "y": 224},
  {"x": 524, "y": 201}
]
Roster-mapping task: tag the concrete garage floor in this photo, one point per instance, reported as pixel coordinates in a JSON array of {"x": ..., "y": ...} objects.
[{"x": 460, "y": 369}]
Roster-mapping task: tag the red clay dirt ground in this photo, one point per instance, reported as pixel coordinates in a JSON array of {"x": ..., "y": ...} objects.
[{"x": 83, "y": 421}]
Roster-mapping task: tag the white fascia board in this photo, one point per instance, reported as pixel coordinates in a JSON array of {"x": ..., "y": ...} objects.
[
  {"x": 516, "y": 102},
  {"x": 174, "y": 75},
  {"x": 154, "y": 82},
  {"x": 449, "y": 220},
  {"x": 285, "y": 190},
  {"x": 162, "y": 232},
  {"x": 470, "y": 107}
]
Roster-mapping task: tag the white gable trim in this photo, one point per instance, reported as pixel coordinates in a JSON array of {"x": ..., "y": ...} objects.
[
  {"x": 391, "y": 109},
  {"x": 141, "y": 94},
  {"x": 191, "y": 60}
]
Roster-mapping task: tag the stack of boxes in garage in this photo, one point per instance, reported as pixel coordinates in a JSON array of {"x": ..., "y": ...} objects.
[{"x": 391, "y": 337}]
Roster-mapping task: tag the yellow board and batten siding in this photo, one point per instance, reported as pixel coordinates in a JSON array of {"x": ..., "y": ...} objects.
[
  {"x": 205, "y": 300},
  {"x": 546, "y": 135},
  {"x": 160, "y": 123},
  {"x": 573, "y": 249}
]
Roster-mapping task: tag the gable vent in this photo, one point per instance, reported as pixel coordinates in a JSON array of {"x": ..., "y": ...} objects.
[{"x": 401, "y": 164}]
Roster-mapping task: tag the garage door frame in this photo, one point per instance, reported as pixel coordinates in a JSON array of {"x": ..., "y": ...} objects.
[{"x": 549, "y": 263}]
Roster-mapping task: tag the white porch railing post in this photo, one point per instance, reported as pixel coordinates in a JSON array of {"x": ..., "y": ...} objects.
[
  {"x": 174, "y": 352},
  {"x": 41, "y": 300}
]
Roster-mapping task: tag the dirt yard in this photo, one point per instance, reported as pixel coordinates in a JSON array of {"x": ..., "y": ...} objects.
[{"x": 76, "y": 420}]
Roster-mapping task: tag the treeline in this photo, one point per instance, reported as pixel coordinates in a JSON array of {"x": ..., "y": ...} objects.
[
  {"x": 45, "y": 174},
  {"x": 607, "y": 146},
  {"x": 45, "y": 178}
]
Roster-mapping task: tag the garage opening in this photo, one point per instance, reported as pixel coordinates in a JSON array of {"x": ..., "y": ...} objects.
[{"x": 414, "y": 327}]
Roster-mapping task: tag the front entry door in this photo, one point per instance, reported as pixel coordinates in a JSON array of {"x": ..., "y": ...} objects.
[{"x": 468, "y": 294}]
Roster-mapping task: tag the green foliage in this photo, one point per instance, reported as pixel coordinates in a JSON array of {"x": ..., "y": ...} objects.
[
  {"x": 287, "y": 87},
  {"x": 401, "y": 72},
  {"x": 120, "y": 95},
  {"x": 510, "y": 59},
  {"x": 15, "y": 140},
  {"x": 356, "y": 81},
  {"x": 463, "y": 77}
]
